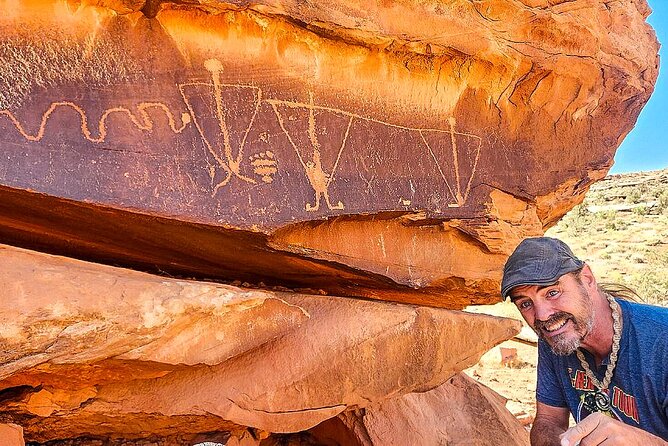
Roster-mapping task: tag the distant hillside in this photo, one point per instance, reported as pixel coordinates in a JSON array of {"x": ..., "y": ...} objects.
[{"x": 621, "y": 230}]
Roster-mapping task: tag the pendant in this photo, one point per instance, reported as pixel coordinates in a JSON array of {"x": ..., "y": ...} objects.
[{"x": 597, "y": 401}]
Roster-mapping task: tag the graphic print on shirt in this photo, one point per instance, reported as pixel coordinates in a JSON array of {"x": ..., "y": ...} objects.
[{"x": 621, "y": 403}]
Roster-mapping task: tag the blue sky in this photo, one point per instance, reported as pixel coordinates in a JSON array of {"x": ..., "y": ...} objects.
[{"x": 646, "y": 147}]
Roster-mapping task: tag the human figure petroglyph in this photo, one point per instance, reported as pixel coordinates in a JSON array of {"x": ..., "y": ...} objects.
[
  {"x": 225, "y": 158},
  {"x": 320, "y": 182},
  {"x": 316, "y": 175},
  {"x": 459, "y": 196},
  {"x": 455, "y": 157},
  {"x": 228, "y": 157}
]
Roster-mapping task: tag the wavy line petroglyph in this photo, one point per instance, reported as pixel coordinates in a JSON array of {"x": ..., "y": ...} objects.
[
  {"x": 229, "y": 158},
  {"x": 146, "y": 123}
]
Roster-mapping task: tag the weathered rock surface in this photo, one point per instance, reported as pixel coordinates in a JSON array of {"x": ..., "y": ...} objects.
[
  {"x": 11, "y": 435},
  {"x": 327, "y": 145},
  {"x": 460, "y": 411},
  {"x": 386, "y": 150},
  {"x": 95, "y": 351}
]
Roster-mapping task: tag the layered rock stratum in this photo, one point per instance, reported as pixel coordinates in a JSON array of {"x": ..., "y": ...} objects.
[
  {"x": 94, "y": 351},
  {"x": 316, "y": 187}
]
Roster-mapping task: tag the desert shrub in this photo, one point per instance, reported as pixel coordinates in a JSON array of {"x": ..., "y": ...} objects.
[
  {"x": 611, "y": 225},
  {"x": 611, "y": 220},
  {"x": 641, "y": 210},
  {"x": 610, "y": 215},
  {"x": 651, "y": 287},
  {"x": 634, "y": 196},
  {"x": 651, "y": 284},
  {"x": 662, "y": 201},
  {"x": 578, "y": 220}
]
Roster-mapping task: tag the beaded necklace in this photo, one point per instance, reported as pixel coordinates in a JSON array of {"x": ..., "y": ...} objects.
[{"x": 598, "y": 400}]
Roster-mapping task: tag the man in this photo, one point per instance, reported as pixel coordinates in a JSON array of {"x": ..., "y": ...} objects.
[{"x": 603, "y": 358}]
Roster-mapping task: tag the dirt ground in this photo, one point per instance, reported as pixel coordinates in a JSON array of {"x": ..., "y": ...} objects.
[{"x": 514, "y": 379}]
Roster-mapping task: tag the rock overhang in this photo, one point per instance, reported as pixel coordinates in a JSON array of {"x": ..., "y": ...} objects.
[{"x": 364, "y": 149}]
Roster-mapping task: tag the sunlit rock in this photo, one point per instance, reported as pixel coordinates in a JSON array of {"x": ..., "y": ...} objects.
[{"x": 373, "y": 149}]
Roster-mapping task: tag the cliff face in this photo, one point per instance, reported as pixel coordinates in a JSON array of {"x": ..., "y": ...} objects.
[
  {"x": 321, "y": 158},
  {"x": 388, "y": 150}
]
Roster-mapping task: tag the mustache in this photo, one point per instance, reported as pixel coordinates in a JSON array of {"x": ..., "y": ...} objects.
[{"x": 541, "y": 325}]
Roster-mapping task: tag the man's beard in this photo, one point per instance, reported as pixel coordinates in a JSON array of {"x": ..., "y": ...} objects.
[{"x": 564, "y": 344}]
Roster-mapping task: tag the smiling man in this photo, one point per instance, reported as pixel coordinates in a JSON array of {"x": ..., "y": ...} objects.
[{"x": 601, "y": 357}]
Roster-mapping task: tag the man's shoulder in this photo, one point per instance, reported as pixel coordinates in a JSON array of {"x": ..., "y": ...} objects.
[
  {"x": 645, "y": 313},
  {"x": 646, "y": 326}
]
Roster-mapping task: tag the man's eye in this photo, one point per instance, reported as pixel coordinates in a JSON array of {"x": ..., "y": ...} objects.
[
  {"x": 552, "y": 293},
  {"x": 525, "y": 304}
]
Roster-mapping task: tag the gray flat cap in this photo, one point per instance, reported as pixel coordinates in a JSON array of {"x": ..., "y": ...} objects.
[{"x": 538, "y": 261}]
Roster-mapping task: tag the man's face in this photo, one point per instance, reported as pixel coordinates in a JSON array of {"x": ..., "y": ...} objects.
[{"x": 562, "y": 314}]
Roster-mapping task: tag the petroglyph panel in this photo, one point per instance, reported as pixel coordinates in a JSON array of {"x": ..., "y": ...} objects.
[{"x": 232, "y": 155}]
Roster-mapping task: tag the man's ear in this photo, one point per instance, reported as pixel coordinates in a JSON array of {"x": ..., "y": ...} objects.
[{"x": 587, "y": 278}]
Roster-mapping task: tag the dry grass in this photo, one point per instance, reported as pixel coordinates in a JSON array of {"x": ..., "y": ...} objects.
[{"x": 621, "y": 231}]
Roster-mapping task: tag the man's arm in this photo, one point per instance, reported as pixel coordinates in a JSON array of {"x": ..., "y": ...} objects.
[{"x": 549, "y": 424}]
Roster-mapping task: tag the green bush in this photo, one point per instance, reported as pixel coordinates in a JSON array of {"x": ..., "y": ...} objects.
[
  {"x": 578, "y": 220},
  {"x": 651, "y": 284},
  {"x": 651, "y": 287}
]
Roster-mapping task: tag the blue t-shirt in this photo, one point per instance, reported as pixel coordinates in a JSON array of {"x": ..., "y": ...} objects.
[{"x": 639, "y": 388}]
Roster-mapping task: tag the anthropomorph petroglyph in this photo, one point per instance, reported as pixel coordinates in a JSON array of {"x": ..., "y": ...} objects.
[
  {"x": 317, "y": 177},
  {"x": 321, "y": 180},
  {"x": 224, "y": 128},
  {"x": 225, "y": 157},
  {"x": 457, "y": 193}
]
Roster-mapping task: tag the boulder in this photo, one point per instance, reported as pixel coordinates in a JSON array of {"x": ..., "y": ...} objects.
[
  {"x": 461, "y": 411},
  {"x": 330, "y": 146},
  {"x": 11, "y": 435},
  {"x": 92, "y": 351},
  {"x": 57, "y": 311}
]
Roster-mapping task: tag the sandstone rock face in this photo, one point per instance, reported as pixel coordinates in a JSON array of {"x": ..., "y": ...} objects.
[
  {"x": 93, "y": 351},
  {"x": 461, "y": 411},
  {"x": 387, "y": 150},
  {"x": 61, "y": 311},
  {"x": 308, "y": 154},
  {"x": 473, "y": 414},
  {"x": 11, "y": 435}
]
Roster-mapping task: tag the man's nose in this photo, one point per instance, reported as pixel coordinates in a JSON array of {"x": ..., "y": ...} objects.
[{"x": 542, "y": 310}]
